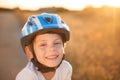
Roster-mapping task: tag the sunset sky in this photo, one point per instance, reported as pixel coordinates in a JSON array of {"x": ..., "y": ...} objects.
[{"x": 69, "y": 4}]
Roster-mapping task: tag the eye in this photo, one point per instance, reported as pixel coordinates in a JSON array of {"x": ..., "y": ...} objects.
[
  {"x": 42, "y": 45},
  {"x": 57, "y": 43}
]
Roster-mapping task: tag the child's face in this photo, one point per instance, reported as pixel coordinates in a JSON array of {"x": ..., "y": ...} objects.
[{"x": 49, "y": 49}]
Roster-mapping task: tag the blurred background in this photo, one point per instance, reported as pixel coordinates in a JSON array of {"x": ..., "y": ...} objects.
[{"x": 94, "y": 47}]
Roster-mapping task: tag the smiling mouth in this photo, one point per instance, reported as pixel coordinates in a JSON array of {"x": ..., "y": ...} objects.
[{"x": 52, "y": 57}]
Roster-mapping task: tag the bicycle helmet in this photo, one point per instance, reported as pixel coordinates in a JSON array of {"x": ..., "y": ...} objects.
[{"x": 41, "y": 24}]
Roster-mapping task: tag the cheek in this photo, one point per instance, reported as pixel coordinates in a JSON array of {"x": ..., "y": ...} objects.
[
  {"x": 61, "y": 50},
  {"x": 39, "y": 53},
  {"x": 40, "y": 56},
  {"x": 61, "y": 54}
]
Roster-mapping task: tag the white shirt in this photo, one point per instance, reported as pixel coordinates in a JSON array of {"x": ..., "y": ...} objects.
[{"x": 63, "y": 72}]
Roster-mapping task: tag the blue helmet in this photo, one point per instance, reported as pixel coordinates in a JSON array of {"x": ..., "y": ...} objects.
[{"x": 43, "y": 23}]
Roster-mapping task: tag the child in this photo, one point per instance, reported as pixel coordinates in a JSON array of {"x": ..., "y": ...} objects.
[{"x": 43, "y": 38}]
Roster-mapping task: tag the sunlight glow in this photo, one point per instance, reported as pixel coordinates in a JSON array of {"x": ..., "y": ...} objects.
[
  {"x": 69, "y": 4},
  {"x": 99, "y": 3}
]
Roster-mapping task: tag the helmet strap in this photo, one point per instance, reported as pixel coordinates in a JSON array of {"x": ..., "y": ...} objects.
[{"x": 42, "y": 68}]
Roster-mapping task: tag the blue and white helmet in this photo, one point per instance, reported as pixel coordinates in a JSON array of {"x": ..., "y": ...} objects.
[{"x": 41, "y": 24}]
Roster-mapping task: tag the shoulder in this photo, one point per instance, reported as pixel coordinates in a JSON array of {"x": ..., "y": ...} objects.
[
  {"x": 65, "y": 64},
  {"x": 66, "y": 67},
  {"x": 64, "y": 71},
  {"x": 26, "y": 74}
]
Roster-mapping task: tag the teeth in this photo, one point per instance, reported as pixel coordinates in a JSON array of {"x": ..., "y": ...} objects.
[{"x": 52, "y": 57}]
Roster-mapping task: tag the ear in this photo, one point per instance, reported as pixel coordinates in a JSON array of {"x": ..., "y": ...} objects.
[{"x": 28, "y": 52}]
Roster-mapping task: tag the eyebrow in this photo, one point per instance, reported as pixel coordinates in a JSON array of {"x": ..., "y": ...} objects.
[{"x": 54, "y": 40}]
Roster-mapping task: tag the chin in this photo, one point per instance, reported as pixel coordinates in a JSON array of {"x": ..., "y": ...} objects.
[{"x": 53, "y": 64}]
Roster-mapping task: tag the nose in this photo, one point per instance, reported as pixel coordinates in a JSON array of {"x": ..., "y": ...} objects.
[{"x": 51, "y": 48}]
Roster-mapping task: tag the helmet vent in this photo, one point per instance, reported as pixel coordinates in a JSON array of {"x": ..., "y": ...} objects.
[
  {"x": 48, "y": 19},
  {"x": 30, "y": 23},
  {"x": 62, "y": 21}
]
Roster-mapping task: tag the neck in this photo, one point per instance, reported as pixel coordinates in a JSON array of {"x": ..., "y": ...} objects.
[{"x": 49, "y": 75}]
